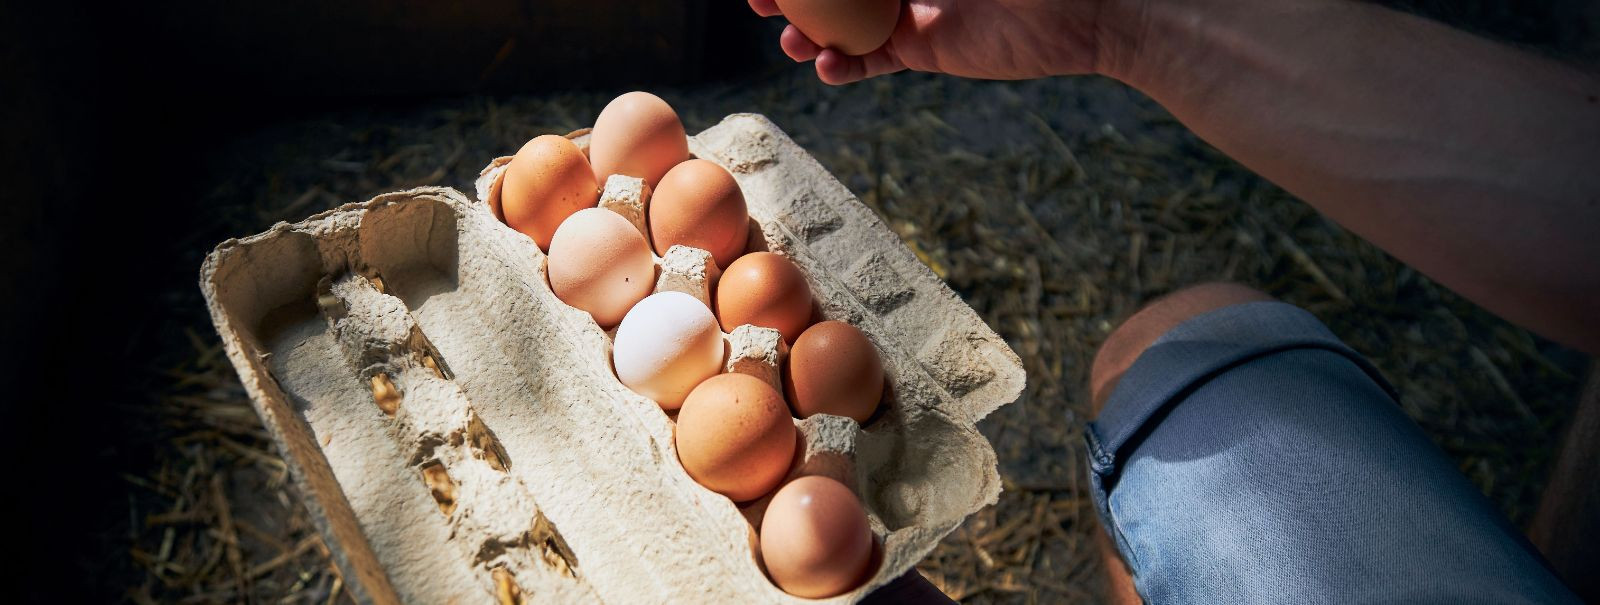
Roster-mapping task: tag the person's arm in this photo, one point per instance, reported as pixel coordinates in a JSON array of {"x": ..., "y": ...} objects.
[{"x": 1474, "y": 162}]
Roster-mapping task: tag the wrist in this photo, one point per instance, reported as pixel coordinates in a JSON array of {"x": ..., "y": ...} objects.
[{"x": 1177, "y": 52}]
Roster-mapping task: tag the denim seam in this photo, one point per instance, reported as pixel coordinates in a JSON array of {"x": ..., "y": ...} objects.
[
  {"x": 1100, "y": 461},
  {"x": 1124, "y": 546},
  {"x": 1121, "y": 536}
]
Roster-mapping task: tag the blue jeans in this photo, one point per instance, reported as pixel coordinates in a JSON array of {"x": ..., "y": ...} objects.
[{"x": 1248, "y": 456}]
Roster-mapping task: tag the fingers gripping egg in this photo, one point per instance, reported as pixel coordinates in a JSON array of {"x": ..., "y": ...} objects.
[
  {"x": 833, "y": 369},
  {"x": 853, "y": 27},
  {"x": 601, "y": 264},
  {"x": 547, "y": 181},
  {"x": 735, "y": 436},
  {"x": 699, "y": 204},
  {"x": 667, "y": 344},
  {"x": 815, "y": 540},
  {"x": 767, "y": 290},
  {"x": 637, "y": 135}
]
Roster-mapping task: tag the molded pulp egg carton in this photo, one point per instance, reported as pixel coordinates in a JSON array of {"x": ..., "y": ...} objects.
[{"x": 460, "y": 436}]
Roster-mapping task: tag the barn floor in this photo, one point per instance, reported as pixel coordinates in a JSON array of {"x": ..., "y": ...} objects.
[{"x": 1055, "y": 208}]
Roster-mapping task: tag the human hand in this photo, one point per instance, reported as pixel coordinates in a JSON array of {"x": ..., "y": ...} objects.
[{"x": 993, "y": 39}]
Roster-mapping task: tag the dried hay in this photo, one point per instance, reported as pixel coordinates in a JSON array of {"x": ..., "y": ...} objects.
[{"x": 1054, "y": 207}]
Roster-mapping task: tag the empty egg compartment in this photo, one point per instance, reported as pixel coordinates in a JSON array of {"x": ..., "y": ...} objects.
[
  {"x": 409, "y": 486},
  {"x": 919, "y": 466}
]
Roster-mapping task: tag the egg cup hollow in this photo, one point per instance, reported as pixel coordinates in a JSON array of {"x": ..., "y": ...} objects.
[{"x": 457, "y": 431}]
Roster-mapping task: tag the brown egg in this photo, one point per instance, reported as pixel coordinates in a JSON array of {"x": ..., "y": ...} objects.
[
  {"x": 853, "y": 27},
  {"x": 599, "y": 262},
  {"x": 833, "y": 369},
  {"x": 699, "y": 204},
  {"x": 637, "y": 135},
  {"x": 735, "y": 436},
  {"x": 815, "y": 540},
  {"x": 767, "y": 290},
  {"x": 547, "y": 181}
]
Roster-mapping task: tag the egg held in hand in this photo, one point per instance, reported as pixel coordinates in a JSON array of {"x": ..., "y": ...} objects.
[
  {"x": 815, "y": 540},
  {"x": 767, "y": 290},
  {"x": 637, "y": 135},
  {"x": 699, "y": 204},
  {"x": 853, "y": 27},
  {"x": 735, "y": 436},
  {"x": 547, "y": 181},
  {"x": 601, "y": 264},
  {"x": 667, "y": 344},
  {"x": 833, "y": 369}
]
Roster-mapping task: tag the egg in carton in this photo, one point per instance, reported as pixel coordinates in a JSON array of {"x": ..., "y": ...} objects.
[{"x": 459, "y": 434}]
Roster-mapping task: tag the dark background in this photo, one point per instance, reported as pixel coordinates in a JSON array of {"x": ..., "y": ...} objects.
[
  {"x": 108, "y": 110},
  {"x": 107, "y": 113}
]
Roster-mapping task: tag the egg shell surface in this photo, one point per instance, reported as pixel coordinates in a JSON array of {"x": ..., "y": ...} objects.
[
  {"x": 815, "y": 541},
  {"x": 853, "y": 27},
  {"x": 767, "y": 290},
  {"x": 600, "y": 263},
  {"x": 833, "y": 369},
  {"x": 547, "y": 181},
  {"x": 637, "y": 135},
  {"x": 735, "y": 436},
  {"x": 667, "y": 344},
  {"x": 699, "y": 204}
]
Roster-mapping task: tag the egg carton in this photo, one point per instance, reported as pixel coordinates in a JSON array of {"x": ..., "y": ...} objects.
[{"x": 459, "y": 435}]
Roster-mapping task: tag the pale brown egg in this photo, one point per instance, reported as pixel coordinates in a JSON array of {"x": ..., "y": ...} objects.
[
  {"x": 699, "y": 204},
  {"x": 853, "y": 27},
  {"x": 735, "y": 436},
  {"x": 815, "y": 540},
  {"x": 637, "y": 135},
  {"x": 833, "y": 369},
  {"x": 601, "y": 264},
  {"x": 767, "y": 290},
  {"x": 547, "y": 181}
]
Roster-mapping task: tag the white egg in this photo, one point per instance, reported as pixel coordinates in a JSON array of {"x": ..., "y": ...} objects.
[{"x": 667, "y": 344}]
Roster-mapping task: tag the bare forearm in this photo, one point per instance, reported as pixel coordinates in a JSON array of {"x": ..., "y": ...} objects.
[{"x": 1476, "y": 163}]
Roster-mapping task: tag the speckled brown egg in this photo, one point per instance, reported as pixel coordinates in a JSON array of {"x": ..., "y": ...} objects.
[
  {"x": 833, "y": 369},
  {"x": 853, "y": 27},
  {"x": 735, "y": 436},
  {"x": 699, "y": 204},
  {"x": 815, "y": 541},
  {"x": 767, "y": 290},
  {"x": 637, "y": 135},
  {"x": 600, "y": 263},
  {"x": 547, "y": 181}
]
